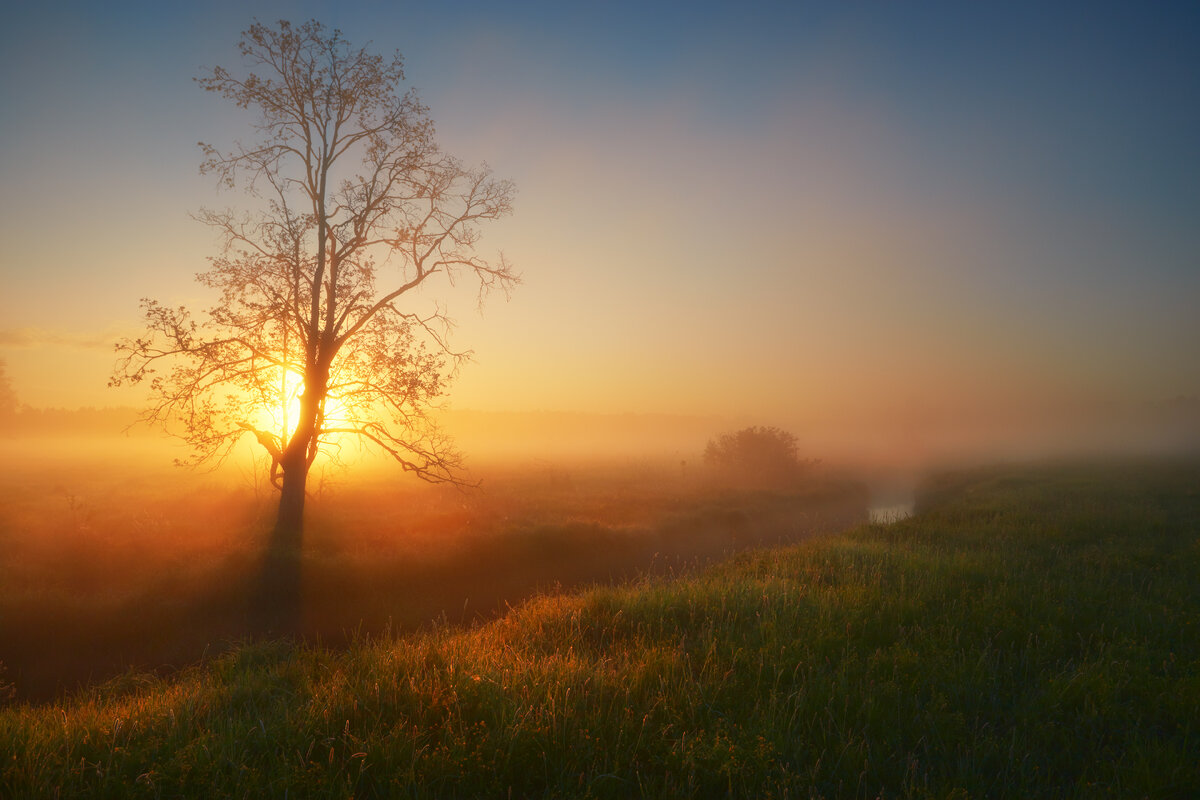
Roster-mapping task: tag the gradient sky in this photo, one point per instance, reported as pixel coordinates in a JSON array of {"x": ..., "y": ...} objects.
[{"x": 782, "y": 212}]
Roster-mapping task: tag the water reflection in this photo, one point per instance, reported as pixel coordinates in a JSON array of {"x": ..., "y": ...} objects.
[
  {"x": 885, "y": 513},
  {"x": 892, "y": 498}
]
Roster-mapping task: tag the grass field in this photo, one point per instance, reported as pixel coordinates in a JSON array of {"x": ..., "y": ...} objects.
[
  {"x": 110, "y": 565},
  {"x": 1031, "y": 632}
]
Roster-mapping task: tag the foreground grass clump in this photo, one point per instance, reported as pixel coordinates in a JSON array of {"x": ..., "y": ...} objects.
[{"x": 1032, "y": 633}]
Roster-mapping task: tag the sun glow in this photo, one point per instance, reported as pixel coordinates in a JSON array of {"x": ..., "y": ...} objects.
[{"x": 279, "y": 411}]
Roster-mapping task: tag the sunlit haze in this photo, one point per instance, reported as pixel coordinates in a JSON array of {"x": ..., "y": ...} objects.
[{"x": 919, "y": 224}]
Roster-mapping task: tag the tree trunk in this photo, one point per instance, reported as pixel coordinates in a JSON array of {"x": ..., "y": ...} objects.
[
  {"x": 278, "y": 606},
  {"x": 289, "y": 523},
  {"x": 277, "y": 609}
]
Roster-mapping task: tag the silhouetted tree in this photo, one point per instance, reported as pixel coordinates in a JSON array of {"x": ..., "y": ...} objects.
[
  {"x": 8, "y": 398},
  {"x": 755, "y": 456},
  {"x": 8, "y": 691},
  {"x": 318, "y": 331}
]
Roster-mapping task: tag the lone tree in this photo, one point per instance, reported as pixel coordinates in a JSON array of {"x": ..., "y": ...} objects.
[
  {"x": 319, "y": 332},
  {"x": 758, "y": 456},
  {"x": 8, "y": 398}
]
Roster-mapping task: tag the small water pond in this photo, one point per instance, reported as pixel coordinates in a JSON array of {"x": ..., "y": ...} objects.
[{"x": 888, "y": 511}]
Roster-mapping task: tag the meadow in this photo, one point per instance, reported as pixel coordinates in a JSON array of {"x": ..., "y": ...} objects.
[
  {"x": 1030, "y": 632},
  {"x": 109, "y": 564}
]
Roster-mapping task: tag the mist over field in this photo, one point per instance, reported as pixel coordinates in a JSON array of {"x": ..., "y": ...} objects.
[
  {"x": 113, "y": 557},
  {"x": 129, "y": 591},
  {"x": 602, "y": 400},
  {"x": 917, "y": 440}
]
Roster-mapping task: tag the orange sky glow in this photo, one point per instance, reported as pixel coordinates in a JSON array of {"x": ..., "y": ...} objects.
[{"x": 831, "y": 227}]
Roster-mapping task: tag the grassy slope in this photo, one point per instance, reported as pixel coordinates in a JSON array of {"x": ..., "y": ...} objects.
[{"x": 1034, "y": 633}]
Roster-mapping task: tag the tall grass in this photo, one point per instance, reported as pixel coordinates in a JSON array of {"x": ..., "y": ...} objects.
[
  {"x": 1031, "y": 633},
  {"x": 129, "y": 567}
]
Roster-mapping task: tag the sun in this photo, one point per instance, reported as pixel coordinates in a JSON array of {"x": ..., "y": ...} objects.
[{"x": 279, "y": 413}]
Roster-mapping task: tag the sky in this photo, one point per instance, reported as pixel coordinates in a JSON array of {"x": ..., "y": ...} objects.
[{"x": 800, "y": 214}]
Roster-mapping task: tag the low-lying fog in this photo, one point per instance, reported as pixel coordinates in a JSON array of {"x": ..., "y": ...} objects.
[{"x": 112, "y": 557}]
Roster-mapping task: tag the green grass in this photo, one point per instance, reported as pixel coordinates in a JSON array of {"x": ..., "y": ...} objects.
[{"x": 1033, "y": 632}]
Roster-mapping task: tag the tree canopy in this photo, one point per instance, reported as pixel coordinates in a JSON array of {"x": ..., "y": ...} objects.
[{"x": 323, "y": 326}]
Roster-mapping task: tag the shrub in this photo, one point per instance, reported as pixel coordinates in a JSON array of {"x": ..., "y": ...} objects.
[
  {"x": 756, "y": 456},
  {"x": 7, "y": 690}
]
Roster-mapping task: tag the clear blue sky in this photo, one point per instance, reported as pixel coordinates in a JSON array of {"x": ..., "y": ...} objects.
[{"x": 773, "y": 209}]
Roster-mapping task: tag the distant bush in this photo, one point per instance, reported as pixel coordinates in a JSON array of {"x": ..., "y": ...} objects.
[
  {"x": 7, "y": 690},
  {"x": 8, "y": 398},
  {"x": 756, "y": 456}
]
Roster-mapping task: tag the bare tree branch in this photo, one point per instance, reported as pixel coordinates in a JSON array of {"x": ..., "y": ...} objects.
[{"x": 310, "y": 338}]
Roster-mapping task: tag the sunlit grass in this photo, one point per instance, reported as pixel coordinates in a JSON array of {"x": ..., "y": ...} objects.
[
  {"x": 1031, "y": 633},
  {"x": 128, "y": 566}
]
